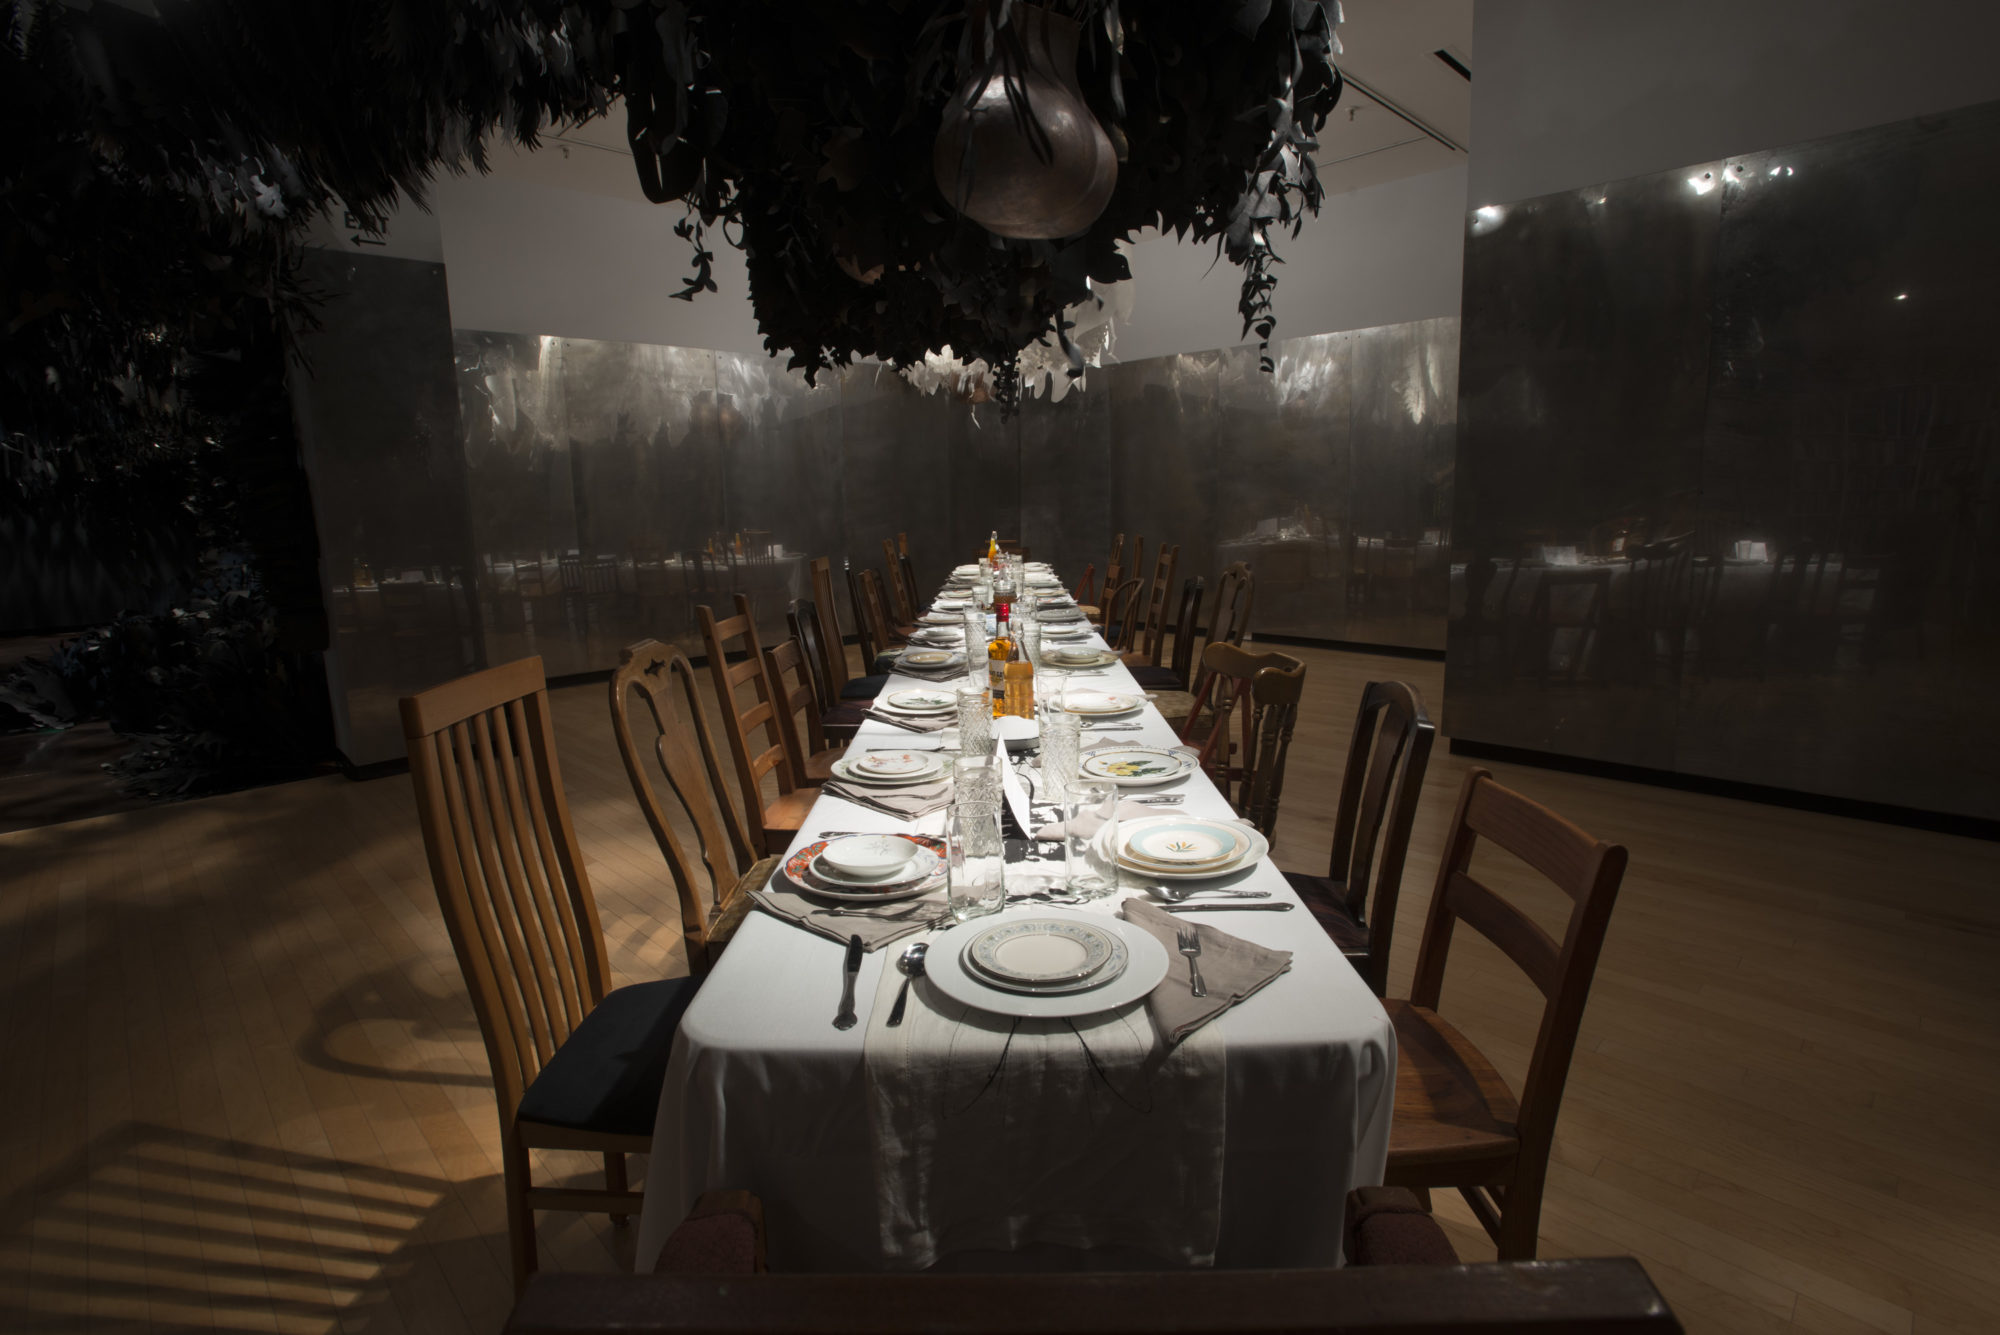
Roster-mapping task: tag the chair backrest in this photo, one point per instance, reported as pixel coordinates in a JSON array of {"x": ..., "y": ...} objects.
[
  {"x": 1014, "y": 547},
  {"x": 785, "y": 667},
  {"x": 908, "y": 570},
  {"x": 832, "y": 648},
  {"x": 1085, "y": 592},
  {"x": 1185, "y": 626},
  {"x": 741, "y": 722},
  {"x": 1153, "y": 625},
  {"x": 899, "y": 597},
  {"x": 875, "y": 609},
  {"x": 684, "y": 748},
  {"x": 1121, "y": 606},
  {"x": 1234, "y": 591},
  {"x": 857, "y": 598},
  {"x": 505, "y": 864},
  {"x": 1114, "y": 575},
  {"x": 802, "y": 622},
  {"x": 1260, "y": 694},
  {"x": 1586, "y": 869},
  {"x": 1386, "y": 759}
]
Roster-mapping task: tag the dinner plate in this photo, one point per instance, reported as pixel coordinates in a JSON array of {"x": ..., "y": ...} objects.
[
  {"x": 965, "y": 570},
  {"x": 942, "y": 619},
  {"x": 923, "y": 702},
  {"x": 847, "y": 772},
  {"x": 896, "y": 764},
  {"x": 1259, "y": 848},
  {"x": 1078, "y": 656},
  {"x": 1077, "y": 631},
  {"x": 951, "y": 604},
  {"x": 1094, "y": 703},
  {"x": 1034, "y": 954},
  {"x": 918, "y": 867},
  {"x": 1136, "y": 766},
  {"x": 798, "y": 870},
  {"x": 1059, "y": 614},
  {"x": 1146, "y": 966},
  {"x": 1185, "y": 842},
  {"x": 930, "y": 658}
]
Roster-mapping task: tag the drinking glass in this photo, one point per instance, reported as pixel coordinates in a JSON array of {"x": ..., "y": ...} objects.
[
  {"x": 977, "y": 862},
  {"x": 976, "y": 780},
  {"x": 1061, "y": 741},
  {"x": 982, "y": 595},
  {"x": 975, "y": 714},
  {"x": 1031, "y": 641},
  {"x": 1050, "y": 682},
  {"x": 1087, "y": 872}
]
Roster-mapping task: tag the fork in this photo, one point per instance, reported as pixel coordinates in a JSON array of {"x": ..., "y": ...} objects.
[{"x": 1190, "y": 940}]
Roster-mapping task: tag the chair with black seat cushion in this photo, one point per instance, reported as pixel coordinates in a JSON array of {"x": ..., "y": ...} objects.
[
  {"x": 1386, "y": 759},
  {"x": 576, "y": 1063},
  {"x": 714, "y": 891},
  {"x": 1176, "y": 674},
  {"x": 1456, "y": 1123},
  {"x": 833, "y": 649},
  {"x": 1390, "y": 1226}
]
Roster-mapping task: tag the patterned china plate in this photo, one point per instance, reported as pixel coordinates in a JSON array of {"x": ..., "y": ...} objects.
[
  {"x": 923, "y": 702},
  {"x": 896, "y": 764},
  {"x": 1136, "y": 766},
  {"x": 1101, "y": 702},
  {"x": 931, "y": 658},
  {"x": 1259, "y": 848},
  {"x": 1186, "y": 843},
  {"x": 942, "y": 619},
  {"x": 1078, "y": 656},
  {"x": 1042, "y": 954},
  {"x": 1072, "y": 632},
  {"x": 799, "y": 871},
  {"x": 1059, "y": 614},
  {"x": 848, "y": 771},
  {"x": 1146, "y": 965}
]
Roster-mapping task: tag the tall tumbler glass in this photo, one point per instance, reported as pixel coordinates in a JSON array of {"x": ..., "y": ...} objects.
[
  {"x": 1090, "y": 852},
  {"x": 976, "y": 780},
  {"x": 977, "y": 859},
  {"x": 1062, "y": 738},
  {"x": 975, "y": 715}
]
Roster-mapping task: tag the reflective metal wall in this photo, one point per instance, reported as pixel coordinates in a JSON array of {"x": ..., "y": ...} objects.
[{"x": 1729, "y": 475}]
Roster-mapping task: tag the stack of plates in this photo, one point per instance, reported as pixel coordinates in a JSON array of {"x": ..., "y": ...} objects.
[
  {"x": 1095, "y": 703},
  {"x": 943, "y": 618},
  {"x": 1059, "y": 612},
  {"x": 1074, "y": 631},
  {"x": 930, "y": 658},
  {"x": 890, "y": 769},
  {"x": 842, "y": 877},
  {"x": 936, "y": 635},
  {"x": 967, "y": 570},
  {"x": 1135, "y": 766},
  {"x": 919, "y": 703},
  {"x": 1050, "y": 965},
  {"x": 950, "y": 604},
  {"x": 1185, "y": 848},
  {"x": 1077, "y": 655}
]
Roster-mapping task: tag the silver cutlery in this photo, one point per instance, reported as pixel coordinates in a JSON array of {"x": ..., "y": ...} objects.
[
  {"x": 911, "y": 962},
  {"x": 1157, "y": 801},
  {"x": 845, "y": 1017},
  {"x": 882, "y": 911},
  {"x": 1174, "y": 894},
  {"x": 1223, "y": 908},
  {"x": 1113, "y": 727},
  {"x": 1190, "y": 941}
]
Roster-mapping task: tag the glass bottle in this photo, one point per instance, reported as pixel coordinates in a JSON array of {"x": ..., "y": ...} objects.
[{"x": 1000, "y": 651}]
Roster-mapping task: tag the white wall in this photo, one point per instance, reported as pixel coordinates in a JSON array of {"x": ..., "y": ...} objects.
[
  {"x": 1573, "y": 92},
  {"x": 530, "y": 258},
  {"x": 1378, "y": 256}
]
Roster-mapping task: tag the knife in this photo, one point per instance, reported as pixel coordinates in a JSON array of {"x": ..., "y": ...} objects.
[
  {"x": 846, "y": 1019},
  {"x": 1224, "y": 908}
]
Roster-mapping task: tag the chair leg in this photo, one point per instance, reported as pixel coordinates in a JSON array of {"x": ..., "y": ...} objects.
[
  {"x": 520, "y": 1218},
  {"x": 614, "y": 1179}
]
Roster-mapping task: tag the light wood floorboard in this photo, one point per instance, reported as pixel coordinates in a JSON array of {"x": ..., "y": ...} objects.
[{"x": 249, "y": 1093}]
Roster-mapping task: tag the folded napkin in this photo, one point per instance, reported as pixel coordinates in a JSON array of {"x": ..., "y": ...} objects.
[
  {"x": 1231, "y": 967},
  {"x": 874, "y": 932},
  {"x": 911, "y": 724},
  {"x": 1090, "y": 822},
  {"x": 903, "y": 803}
]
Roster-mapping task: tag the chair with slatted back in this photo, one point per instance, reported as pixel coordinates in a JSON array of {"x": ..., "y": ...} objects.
[
  {"x": 713, "y": 889},
  {"x": 839, "y": 719},
  {"x": 902, "y": 601},
  {"x": 1120, "y": 604},
  {"x": 1114, "y": 575},
  {"x": 1456, "y": 1122},
  {"x": 1085, "y": 593},
  {"x": 1259, "y": 693},
  {"x": 577, "y": 1064},
  {"x": 840, "y": 684},
  {"x": 1152, "y": 632},
  {"x": 807, "y": 754},
  {"x": 886, "y": 632},
  {"x": 1174, "y": 677},
  {"x": 1387, "y": 755},
  {"x": 1014, "y": 547},
  {"x": 773, "y": 821},
  {"x": 908, "y": 570}
]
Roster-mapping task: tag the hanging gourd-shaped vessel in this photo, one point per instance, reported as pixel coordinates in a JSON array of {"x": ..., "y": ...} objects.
[{"x": 987, "y": 164}]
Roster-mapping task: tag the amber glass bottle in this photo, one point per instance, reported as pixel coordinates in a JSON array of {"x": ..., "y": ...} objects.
[{"x": 1000, "y": 651}]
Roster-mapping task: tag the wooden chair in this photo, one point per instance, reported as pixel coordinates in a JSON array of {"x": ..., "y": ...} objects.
[
  {"x": 833, "y": 648},
  {"x": 1235, "y": 590},
  {"x": 576, "y": 1064},
  {"x": 808, "y": 757},
  {"x": 1175, "y": 677},
  {"x": 773, "y": 823},
  {"x": 1152, "y": 632},
  {"x": 1114, "y": 575},
  {"x": 838, "y": 719},
  {"x": 1456, "y": 1123},
  {"x": 902, "y": 601},
  {"x": 1386, "y": 759},
  {"x": 1262, "y": 692},
  {"x": 1014, "y": 547},
  {"x": 1119, "y": 605},
  {"x": 886, "y": 632},
  {"x": 714, "y": 891},
  {"x": 1085, "y": 592}
]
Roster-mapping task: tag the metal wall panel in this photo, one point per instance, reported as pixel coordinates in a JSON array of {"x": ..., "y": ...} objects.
[
  {"x": 1166, "y": 440},
  {"x": 1066, "y": 479},
  {"x": 378, "y": 422},
  {"x": 898, "y": 476},
  {"x": 1582, "y": 386}
]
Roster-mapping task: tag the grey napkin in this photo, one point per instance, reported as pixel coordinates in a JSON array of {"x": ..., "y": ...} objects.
[
  {"x": 950, "y": 672},
  {"x": 874, "y": 932},
  {"x": 911, "y": 724},
  {"x": 904, "y": 803},
  {"x": 1232, "y": 967}
]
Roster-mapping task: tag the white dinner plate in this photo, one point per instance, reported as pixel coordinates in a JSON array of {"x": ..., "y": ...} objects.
[
  {"x": 1093, "y": 704},
  {"x": 965, "y": 570},
  {"x": 1136, "y": 766},
  {"x": 798, "y": 870},
  {"x": 896, "y": 764},
  {"x": 921, "y": 866},
  {"x": 930, "y": 658},
  {"x": 1260, "y": 847},
  {"x": 1146, "y": 966},
  {"x": 1036, "y": 954},
  {"x": 846, "y": 772},
  {"x": 923, "y": 702},
  {"x": 1078, "y": 631},
  {"x": 1078, "y": 656},
  {"x": 942, "y": 619}
]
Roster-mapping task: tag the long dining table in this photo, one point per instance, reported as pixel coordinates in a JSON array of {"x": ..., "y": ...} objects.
[{"x": 1235, "y": 1148}]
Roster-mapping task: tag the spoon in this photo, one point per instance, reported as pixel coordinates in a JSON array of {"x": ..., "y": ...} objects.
[
  {"x": 1174, "y": 894},
  {"x": 911, "y": 963}
]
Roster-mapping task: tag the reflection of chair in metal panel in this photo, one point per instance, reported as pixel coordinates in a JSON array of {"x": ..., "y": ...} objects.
[
  {"x": 1651, "y": 627},
  {"x": 661, "y": 592},
  {"x": 1800, "y": 627},
  {"x": 1487, "y": 628},
  {"x": 1565, "y": 624}
]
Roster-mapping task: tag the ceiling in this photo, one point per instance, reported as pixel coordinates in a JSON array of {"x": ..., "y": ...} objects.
[{"x": 1389, "y": 46}]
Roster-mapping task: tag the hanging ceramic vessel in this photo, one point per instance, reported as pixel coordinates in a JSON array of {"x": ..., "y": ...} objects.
[{"x": 986, "y": 161}]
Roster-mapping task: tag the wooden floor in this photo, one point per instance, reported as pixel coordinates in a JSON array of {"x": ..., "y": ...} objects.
[{"x": 245, "y": 1089}]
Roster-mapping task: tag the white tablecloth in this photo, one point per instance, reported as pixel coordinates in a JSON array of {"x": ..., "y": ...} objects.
[{"x": 763, "y": 1093}]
